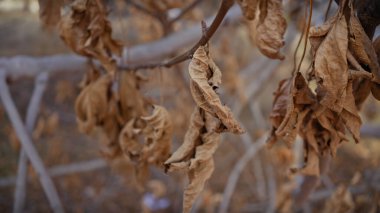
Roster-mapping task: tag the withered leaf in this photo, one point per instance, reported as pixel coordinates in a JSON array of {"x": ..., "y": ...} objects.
[
  {"x": 361, "y": 90},
  {"x": 312, "y": 163},
  {"x": 350, "y": 113},
  {"x": 331, "y": 67},
  {"x": 270, "y": 30},
  {"x": 361, "y": 46},
  {"x": 158, "y": 133},
  {"x": 292, "y": 103},
  {"x": 132, "y": 103},
  {"x": 205, "y": 77},
  {"x": 128, "y": 141},
  {"x": 279, "y": 108},
  {"x": 191, "y": 140},
  {"x": 196, "y": 154},
  {"x": 318, "y": 33},
  {"x": 298, "y": 106},
  {"x": 87, "y": 32},
  {"x": 91, "y": 106}
]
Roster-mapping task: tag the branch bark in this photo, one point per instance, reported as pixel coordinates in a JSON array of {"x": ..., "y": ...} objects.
[
  {"x": 223, "y": 9},
  {"x": 18, "y": 66},
  {"x": 311, "y": 182},
  {"x": 236, "y": 171},
  {"x": 26, "y": 142},
  {"x": 31, "y": 116},
  {"x": 56, "y": 171}
]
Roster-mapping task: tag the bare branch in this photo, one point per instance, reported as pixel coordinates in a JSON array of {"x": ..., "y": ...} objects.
[
  {"x": 153, "y": 51},
  {"x": 223, "y": 9},
  {"x": 311, "y": 182},
  {"x": 26, "y": 142},
  {"x": 31, "y": 117},
  {"x": 185, "y": 10},
  {"x": 56, "y": 171},
  {"x": 236, "y": 171},
  {"x": 272, "y": 189}
]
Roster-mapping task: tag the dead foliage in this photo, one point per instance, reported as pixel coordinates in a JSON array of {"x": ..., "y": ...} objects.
[
  {"x": 208, "y": 120},
  {"x": 86, "y": 30},
  {"x": 121, "y": 115},
  {"x": 340, "y": 49},
  {"x": 267, "y": 25}
]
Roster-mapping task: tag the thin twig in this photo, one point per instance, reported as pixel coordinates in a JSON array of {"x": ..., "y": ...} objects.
[
  {"x": 260, "y": 178},
  {"x": 185, "y": 10},
  {"x": 236, "y": 171},
  {"x": 311, "y": 182},
  {"x": 143, "y": 9},
  {"x": 307, "y": 33},
  {"x": 31, "y": 117},
  {"x": 160, "y": 16},
  {"x": 328, "y": 10},
  {"x": 26, "y": 142},
  {"x": 272, "y": 189},
  {"x": 56, "y": 171},
  {"x": 18, "y": 66},
  {"x": 223, "y": 9}
]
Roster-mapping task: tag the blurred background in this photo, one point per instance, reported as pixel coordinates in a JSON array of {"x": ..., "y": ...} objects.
[{"x": 248, "y": 177}]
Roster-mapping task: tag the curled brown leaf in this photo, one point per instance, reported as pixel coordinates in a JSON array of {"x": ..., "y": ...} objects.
[
  {"x": 205, "y": 77},
  {"x": 271, "y": 29},
  {"x": 196, "y": 154},
  {"x": 91, "y": 106},
  {"x": 86, "y": 30}
]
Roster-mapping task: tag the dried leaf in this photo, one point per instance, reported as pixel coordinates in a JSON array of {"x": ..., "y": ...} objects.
[
  {"x": 361, "y": 46},
  {"x": 271, "y": 29},
  {"x": 87, "y": 32},
  {"x": 312, "y": 163},
  {"x": 292, "y": 103},
  {"x": 191, "y": 140},
  {"x": 301, "y": 98},
  {"x": 205, "y": 77},
  {"x": 128, "y": 141},
  {"x": 132, "y": 103},
  {"x": 196, "y": 154},
  {"x": 331, "y": 69},
  {"x": 318, "y": 33},
  {"x": 279, "y": 109},
  {"x": 361, "y": 90},
  {"x": 158, "y": 133},
  {"x": 350, "y": 114},
  {"x": 91, "y": 106}
]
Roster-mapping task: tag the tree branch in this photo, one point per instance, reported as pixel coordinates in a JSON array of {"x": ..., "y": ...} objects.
[
  {"x": 153, "y": 51},
  {"x": 223, "y": 9},
  {"x": 31, "y": 117},
  {"x": 311, "y": 182},
  {"x": 56, "y": 171},
  {"x": 238, "y": 168},
  {"x": 185, "y": 10},
  {"x": 26, "y": 142}
]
